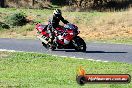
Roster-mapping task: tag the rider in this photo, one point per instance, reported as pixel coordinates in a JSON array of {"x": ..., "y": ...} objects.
[{"x": 54, "y": 23}]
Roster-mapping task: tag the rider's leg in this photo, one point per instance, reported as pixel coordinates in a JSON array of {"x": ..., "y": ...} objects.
[
  {"x": 51, "y": 36},
  {"x": 49, "y": 28}
]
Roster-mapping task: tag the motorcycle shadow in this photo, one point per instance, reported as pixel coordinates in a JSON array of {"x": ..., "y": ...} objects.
[
  {"x": 66, "y": 50},
  {"x": 88, "y": 51}
]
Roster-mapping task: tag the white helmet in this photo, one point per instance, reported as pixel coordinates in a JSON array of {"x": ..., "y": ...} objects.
[{"x": 57, "y": 12}]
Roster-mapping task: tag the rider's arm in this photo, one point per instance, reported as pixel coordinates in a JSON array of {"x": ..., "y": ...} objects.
[{"x": 63, "y": 20}]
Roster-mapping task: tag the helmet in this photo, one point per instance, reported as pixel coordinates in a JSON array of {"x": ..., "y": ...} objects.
[{"x": 57, "y": 12}]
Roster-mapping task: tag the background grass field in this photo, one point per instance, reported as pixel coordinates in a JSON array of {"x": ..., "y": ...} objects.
[
  {"x": 94, "y": 26},
  {"x": 32, "y": 70}
]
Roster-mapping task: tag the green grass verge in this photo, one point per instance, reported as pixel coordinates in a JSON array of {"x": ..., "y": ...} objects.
[{"x": 32, "y": 70}]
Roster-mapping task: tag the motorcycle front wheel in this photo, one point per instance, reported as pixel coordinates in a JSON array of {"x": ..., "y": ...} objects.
[{"x": 79, "y": 44}]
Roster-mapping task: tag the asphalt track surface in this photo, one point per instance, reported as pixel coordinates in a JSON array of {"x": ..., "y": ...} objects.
[{"x": 95, "y": 51}]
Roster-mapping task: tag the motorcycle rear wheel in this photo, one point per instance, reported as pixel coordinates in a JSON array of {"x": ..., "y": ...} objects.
[{"x": 47, "y": 46}]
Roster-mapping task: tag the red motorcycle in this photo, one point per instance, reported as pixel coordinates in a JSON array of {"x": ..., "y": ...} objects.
[{"x": 66, "y": 37}]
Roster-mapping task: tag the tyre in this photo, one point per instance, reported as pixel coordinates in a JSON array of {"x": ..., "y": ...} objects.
[{"x": 79, "y": 44}]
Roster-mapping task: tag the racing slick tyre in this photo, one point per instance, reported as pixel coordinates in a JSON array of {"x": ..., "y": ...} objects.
[
  {"x": 48, "y": 47},
  {"x": 79, "y": 44}
]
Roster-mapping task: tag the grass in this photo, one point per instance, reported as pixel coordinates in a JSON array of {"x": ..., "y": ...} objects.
[
  {"x": 94, "y": 26},
  {"x": 32, "y": 70}
]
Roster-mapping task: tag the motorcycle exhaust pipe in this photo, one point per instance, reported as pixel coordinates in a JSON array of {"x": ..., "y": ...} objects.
[{"x": 43, "y": 40}]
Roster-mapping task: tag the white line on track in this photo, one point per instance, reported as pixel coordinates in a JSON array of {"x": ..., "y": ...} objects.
[
  {"x": 10, "y": 50},
  {"x": 64, "y": 56},
  {"x": 80, "y": 58},
  {"x": 98, "y": 60},
  {"x": 73, "y": 57},
  {"x": 91, "y": 59},
  {"x": 55, "y": 55},
  {"x": 105, "y": 61},
  {"x": 7, "y": 50}
]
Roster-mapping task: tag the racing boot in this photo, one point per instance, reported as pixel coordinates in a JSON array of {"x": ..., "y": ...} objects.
[{"x": 52, "y": 43}]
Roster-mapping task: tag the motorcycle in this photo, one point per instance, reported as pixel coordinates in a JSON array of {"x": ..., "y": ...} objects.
[{"x": 65, "y": 37}]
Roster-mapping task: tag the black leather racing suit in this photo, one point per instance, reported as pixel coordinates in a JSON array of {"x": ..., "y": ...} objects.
[
  {"x": 54, "y": 21},
  {"x": 53, "y": 24}
]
